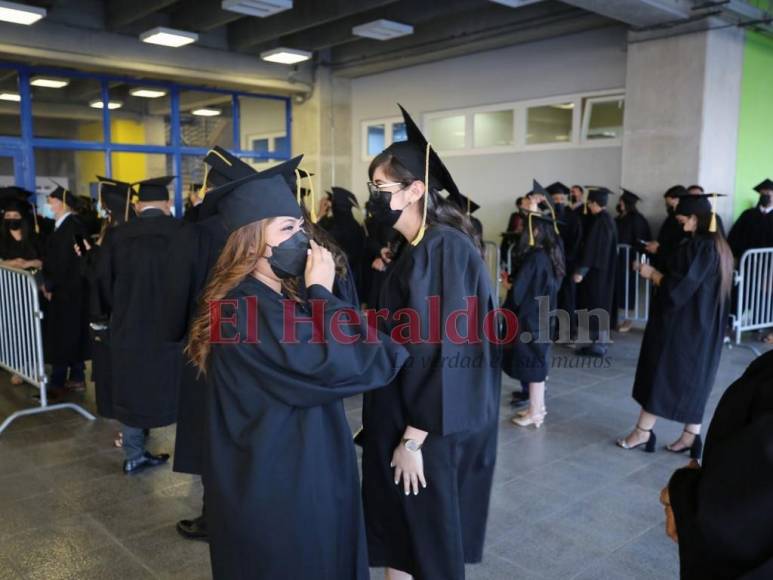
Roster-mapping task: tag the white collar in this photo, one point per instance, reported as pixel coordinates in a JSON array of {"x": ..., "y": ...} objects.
[
  {"x": 58, "y": 222},
  {"x": 766, "y": 210}
]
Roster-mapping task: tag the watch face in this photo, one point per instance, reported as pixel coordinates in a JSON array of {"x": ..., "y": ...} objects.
[{"x": 411, "y": 445}]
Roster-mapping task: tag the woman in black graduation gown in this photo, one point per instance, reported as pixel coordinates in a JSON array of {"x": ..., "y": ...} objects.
[
  {"x": 19, "y": 245},
  {"x": 539, "y": 269},
  {"x": 721, "y": 512},
  {"x": 279, "y": 463},
  {"x": 429, "y": 439},
  {"x": 683, "y": 339}
]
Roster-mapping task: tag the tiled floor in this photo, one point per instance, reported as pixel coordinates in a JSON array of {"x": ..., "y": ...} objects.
[{"x": 566, "y": 504}]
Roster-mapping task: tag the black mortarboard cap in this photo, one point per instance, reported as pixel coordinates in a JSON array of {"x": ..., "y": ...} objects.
[
  {"x": 767, "y": 184},
  {"x": 286, "y": 170},
  {"x": 676, "y": 191},
  {"x": 115, "y": 197},
  {"x": 464, "y": 203},
  {"x": 254, "y": 198},
  {"x": 153, "y": 189},
  {"x": 629, "y": 196},
  {"x": 598, "y": 194},
  {"x": 14, "y": 196},
  {"x": 224, "y": 167},
  {"x": 64, "y": 195},
  {"x": 343, "y": 198},
  {"x": 558, "y": 187},
  {"x": 697, "y": 204}
]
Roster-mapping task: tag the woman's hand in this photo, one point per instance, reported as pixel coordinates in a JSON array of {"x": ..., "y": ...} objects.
[
  {"x": 652, "y": 247},
  {"x": 408, "y": 465},
  {"x": 320, "y": 267},
  {"x": 577, "y": 278},
  {"x": 646, "y": 271},
  {"x": 386, "y": 255},
  {"x": 378, "y": 264}
]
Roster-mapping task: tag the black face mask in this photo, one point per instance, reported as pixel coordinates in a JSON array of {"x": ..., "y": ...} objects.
[
  {"x": 288, "y": 259},
  {"x": 378, "y": 207},
  {"x": 766, "y": 200},
  {"x": 13, "y": 224}
]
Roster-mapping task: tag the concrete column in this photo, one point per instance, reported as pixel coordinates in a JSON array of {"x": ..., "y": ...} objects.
[{"x": 681, "y": 117}]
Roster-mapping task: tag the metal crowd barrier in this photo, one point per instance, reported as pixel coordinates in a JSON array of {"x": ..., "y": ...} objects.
[
  {"x": 642, "y": 288},
  {"x": 754, "y": 304},
  {"x": 21, "y": 339},
  {"x": 491, "y": 255}
]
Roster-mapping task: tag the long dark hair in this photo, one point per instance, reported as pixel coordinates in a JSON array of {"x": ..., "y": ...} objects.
[
  {"x": 545, "y": 238},
  {"x": 439, "y": 210},
  {"x": 724, "y": 252}
]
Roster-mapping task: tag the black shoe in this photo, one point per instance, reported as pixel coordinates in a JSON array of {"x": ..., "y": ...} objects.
[
  {"x": 696, "y": 449},
  {"x": 519, "y": 402},
  {"x": 194, "y": 529},
  {"x": 147, "y": 460},
  {"x": 595, "y": 350},
  {"x": 648, "y": 445}
]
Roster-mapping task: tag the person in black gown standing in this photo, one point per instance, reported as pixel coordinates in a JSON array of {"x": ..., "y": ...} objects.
[
  {"x": 671, "y": 233},
  {"x": 347, "y": 231},
  {"x": 279, "y": 464},
  {"x": 754, "y": 227},
  {"x": 682, "y": 342},
  {"x": 429, "y": 438}
]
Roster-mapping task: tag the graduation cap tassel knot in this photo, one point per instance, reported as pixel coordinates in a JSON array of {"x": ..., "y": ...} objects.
[{"x": 423, "y": 227}]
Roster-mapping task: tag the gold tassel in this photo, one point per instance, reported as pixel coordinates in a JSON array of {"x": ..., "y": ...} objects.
[
  {"x": 221, "y": 157},
  {"x": 713, "y": 224},
  {"x": 313, "y": 199},
  {"x": 531, "y": 232},
  {"x": 203, "y": 189},
  {"x": 128, "y": 200},
  {"x": 423, "y": 227},
  {"x": 298, "y": 186},
  {"x": 553, "y": 213},
  {"x": 585, "y": 204},
  {"x": 99, "y": 196},
  {"x": 35, "y": 215}
]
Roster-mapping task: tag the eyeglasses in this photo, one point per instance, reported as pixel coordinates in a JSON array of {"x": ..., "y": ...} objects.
[{"x": 379, "y": 188}]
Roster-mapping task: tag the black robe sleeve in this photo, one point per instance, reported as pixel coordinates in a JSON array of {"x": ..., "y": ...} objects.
[
  {"x": 313, "y": 367},
  {"x": 682, "y": 281},
  {"x": 450, "y": 386},
  {"x": 724, "y": 511},
  {"x": 595, "y": 253}
]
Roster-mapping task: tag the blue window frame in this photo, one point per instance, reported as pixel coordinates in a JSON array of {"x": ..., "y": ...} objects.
[{"x": 23, "y": 148}]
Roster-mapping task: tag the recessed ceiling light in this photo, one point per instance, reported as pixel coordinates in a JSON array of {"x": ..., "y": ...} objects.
[
  {"x": 205, "y": 112},
  {"x": 97, "y": 104},
  {"x": 168, "y": 36},
  {"x": 285, "y": 55},
  {"x": 259, "y": 8},
  {"x": 147, "y": 93},
  {"x": 10, "y": 97},
  {"x": 20, "y": 13},
  {"x": 49, "y": 82},
  {"x": 516, "y": 3},
  {"x": 382, "y": 30}
]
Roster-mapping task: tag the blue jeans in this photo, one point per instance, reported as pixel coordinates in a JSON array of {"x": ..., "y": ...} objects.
[
  {"x": 59, "y": 373},
  {"x": 133, "y": 442}
]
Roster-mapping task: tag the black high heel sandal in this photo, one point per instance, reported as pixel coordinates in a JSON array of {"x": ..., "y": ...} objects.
[
  {"x": 649, "y": 444},
  {"x": 696, "y": 449}
]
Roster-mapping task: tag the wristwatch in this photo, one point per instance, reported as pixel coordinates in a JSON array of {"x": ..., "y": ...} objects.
[{"x": 412, "y": 445}]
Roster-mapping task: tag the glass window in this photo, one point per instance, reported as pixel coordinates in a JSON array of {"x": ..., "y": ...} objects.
[
  {"x": 376, "y": 139},
  {"x": 447, "y": 132},
  {"x": 139, "y": 115},
  {"x": 263, "y": 127},
  {"x": 133, "y": 167},
  {"x": 493, "y": 129},
  {"x": 66, "y": 108},
  {"x": 604, "y": 118},
  {"x": 10, "y": 104},
  {"x": 549, "y": 123},
  {"x": 206, "y": 119},
  {"x": 398, "y": 132}
]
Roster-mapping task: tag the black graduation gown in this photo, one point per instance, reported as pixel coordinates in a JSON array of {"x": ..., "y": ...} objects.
[
  {"x": 194, "y": 250},
  {"x": 280, "y": 466},
  {"x": 66, "y": 316},
  {"x": 753, "y": 229},
  {"x": 378, "y": 236},
  {"x": 453, "y": 392},
  {"x": 350, "y": 237},
  {"x": 598, "y": 258},
  {"x": 191, "y": 213},
  {"x": 145, "y": 367},
  {"x": 683, "y": 339},
  {"x": 512, "y": 238},
  {"x": 534, "y": 279},
  {"x": 724, "y": 511},
  {"x": 28, "y": 248},
  {"x": 669, "y": 237},
  {"x": 632, "y": 228},
  {"x": 571, "y": 237}
]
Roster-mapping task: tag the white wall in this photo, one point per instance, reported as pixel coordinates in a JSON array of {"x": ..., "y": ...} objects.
[{"x": 577, "y": 63}]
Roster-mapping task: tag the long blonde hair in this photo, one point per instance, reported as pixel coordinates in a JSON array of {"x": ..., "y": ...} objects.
[{"x": 238, "y": 260}]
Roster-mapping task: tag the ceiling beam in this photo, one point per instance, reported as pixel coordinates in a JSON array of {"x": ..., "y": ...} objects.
[
  {"x": 340, "y": 31},
  {"x": 250, "y": 32},
  {"x": 120, "y": 13},
  {"x": 201, "y": 16}
]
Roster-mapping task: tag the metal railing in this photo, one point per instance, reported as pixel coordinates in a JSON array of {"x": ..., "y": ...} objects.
[
  {"x": 491, "y": 255},
  {"x": 638, "y": 308},
  {"x": 21, "y": 339},
  {"x": 754, "y": 302}
]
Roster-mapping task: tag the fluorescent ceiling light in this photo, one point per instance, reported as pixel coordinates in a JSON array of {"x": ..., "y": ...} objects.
[
  {"x": 259, "y": 8},
  {"x": 168, "y": 36},
  {"x": 205, "y": 112},
  {"x": 516, "y": 3},
  {"x": 147, "y": 93},
  {"x": 285, "y": 55},
  {"x": 16, "y": 97},
  {"x": 382, "y": 29},
  {"x": 20, "y": 13},
  {"x": 565, "y": 106},
  {"x": 97, "y": 104},
  {"x": 49, "y": 82}
]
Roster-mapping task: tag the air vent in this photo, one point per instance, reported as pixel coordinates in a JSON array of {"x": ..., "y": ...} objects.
[{"x": 259, "y": 8}]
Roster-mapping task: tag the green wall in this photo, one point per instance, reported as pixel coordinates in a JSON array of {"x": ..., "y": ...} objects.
[{"x": 755, "y": 127}]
